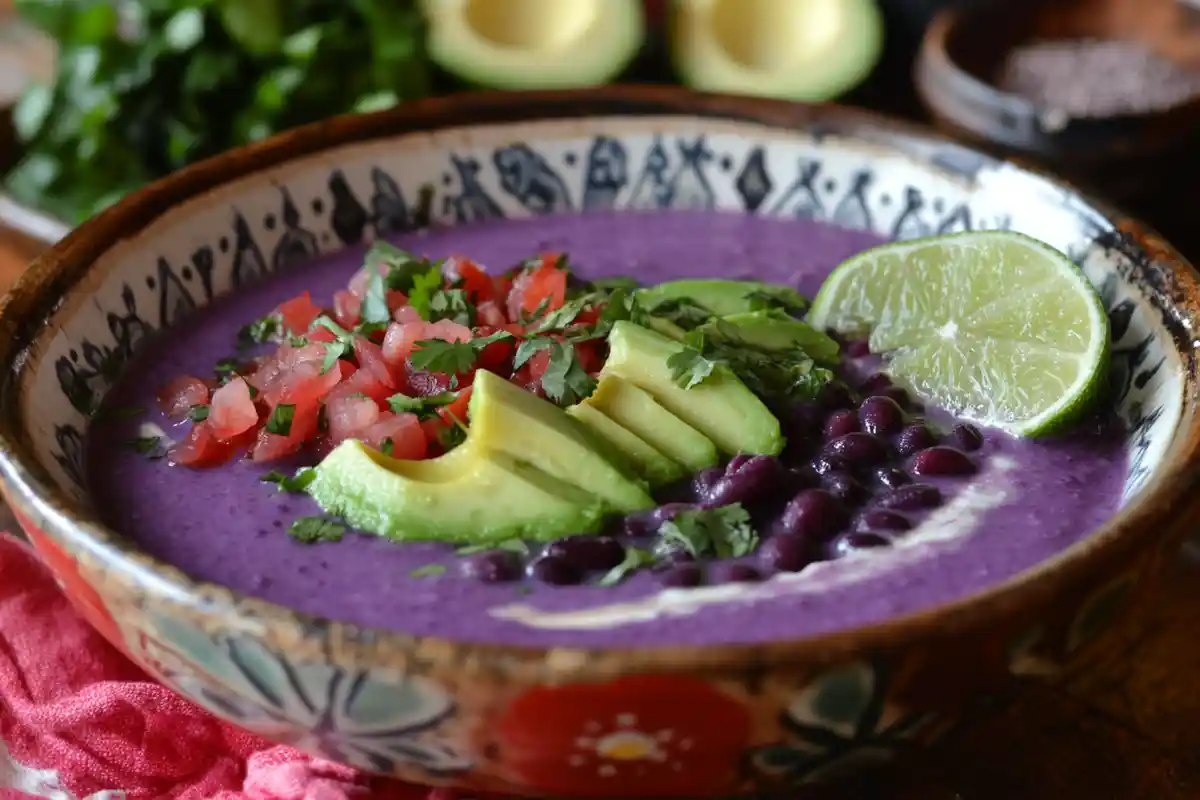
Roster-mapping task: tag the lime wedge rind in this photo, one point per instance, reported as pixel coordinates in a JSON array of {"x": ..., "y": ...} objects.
[{"x": 994, "y": 326}]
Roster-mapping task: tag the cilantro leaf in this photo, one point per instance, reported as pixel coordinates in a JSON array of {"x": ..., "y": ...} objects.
[
  {"x": 374, "y": 308},
  {"x": 291, "y": 483},
  {"x": 387, "y": 446},
  {"x": 451, "y": 304},
  {"x": 723, "y": 532},
  {"x": 528, "y": 348},
  {"x": 783, "y": 298},
  {"x": 423, "y": 407},
  {"x": 635, "y": 559},
  {"x": 311, "y": 530},
  {"x": 424, "y": 286},
  {"x": 565, "y": 381},
  {"x": 681, "y": 311},
  {"x": 280, "y": 421},
  {"x": 337, "y": 349},
  {"x": 198, "y": 413},
  {"x": 689, "y": 367},
  {"x": 402, "y": 266},
  {"x": 451, "y": 358},
  {"x": 518, "y": 546},
  {"x": 770, "y": 374},
  {"x": 260, "y": 331},
  {"x": 226, "y": 366},
  {"x": 428, "y": 571},
  {"x": 152, "y": 447}
]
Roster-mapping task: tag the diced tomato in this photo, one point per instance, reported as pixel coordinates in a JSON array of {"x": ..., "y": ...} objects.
[
  {"x": 479, "y": 286},
  {"x": 457, "y": 409},
  {"x": 546, "y": 283},
  {"x": 362, "y": 382},
  {"x": 346, "y": 308},
  {"x": 589, "y": 355},
  {"x": 272, "y": 368},
  {"x": 321, "y": 334},
  {"x": 370, "y": 358},
  {"x": 202, "y": 448},
  {"x": 529, "y": 376},
  {"x": 298, "y": 313},
  {"x": 588, "y": 316},
  {"x": 349, "y": 416},
  {"x": 497, "y": 356},
  {"x": 358, "y": 283},
  {"x": 181, "y": 393},
  {"x": 303, "y": 384},
  {"x": 398, "y": 341},
  {"x": 396, "y": 300},
  {"x": 402, "y": 430},
  {"x": 345, "y": 369},
  {"x": 272, "y": 446},
  {"x": 490, "y": 314},
  {"x": 406, "y": 314},
  {"x": 431, "y": 429},
  {"x": 232, "y": 411}
]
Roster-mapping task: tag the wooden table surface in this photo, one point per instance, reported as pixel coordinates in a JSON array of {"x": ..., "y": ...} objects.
[{"x": 1129, "y": 730}]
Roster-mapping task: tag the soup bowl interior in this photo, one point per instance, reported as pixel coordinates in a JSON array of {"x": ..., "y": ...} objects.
[{"x": 526, "y": 719}]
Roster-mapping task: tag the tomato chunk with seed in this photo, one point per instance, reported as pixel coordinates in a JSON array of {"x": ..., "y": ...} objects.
[
  {"x": 349, "y": 416},
  {"x": 180, "y": 394},
  {"x": 370, "y": 358},
  {"x": 346, "y": 308},
  {"x": 362, "y": 382},
  {"x": 232, "y": 411},
  {"x": 202, "y": 448},
  {"x": 403, "y": 432},
  {"x": 273, "y": 446},
  {"x": 298, "y": 313}
]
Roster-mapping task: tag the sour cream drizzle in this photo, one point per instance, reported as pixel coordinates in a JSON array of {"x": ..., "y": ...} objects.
[{"x": 946, "y": 527}]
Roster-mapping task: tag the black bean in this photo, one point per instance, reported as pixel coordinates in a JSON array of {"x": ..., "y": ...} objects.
[
  {"x": 967, "y": 436},
  {"x": 839, "y": 423},
  {"x": 802, "y": 420},
  {"x": 859, "y": 449},
  {"x": 827, "y": 462},
  {"x": 741, "y": 573},
  {"x": 813, "y": 514},
  {"x": 655, "y": 517},
  {"x": 854, "y": 541},
  {"x": 881, "y": 415},
  {"x": 555, "y": 570},
  {"x": 857, "y": 348},
  {"x": 913, "y": 497},
  {"x": 683, "y": 576},
  {"x": 703, "y": 481},
  {"x": 588, "y": 553},
  {"x": 493, "y": 566},
  {"x": 834, "y": 395},
  {"x": 913, "y": 438},
  {"x": 755, "y": 477},
  {"x": 787, "y": 553},
  {"x": 942, "y": 460},
  {"x": 667, "y": 555},
  {"x": 891, "y": 477},
  {"x": 875, "y": 384},
  {"x": 844, "y": 487},
  {"x": 880, "y": 519},
  {"x": 902, "y": 398},
  {"x": 736, "y": 462}
]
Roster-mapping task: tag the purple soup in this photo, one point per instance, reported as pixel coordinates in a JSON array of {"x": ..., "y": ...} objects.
[{"x": 1024, "y": 501}]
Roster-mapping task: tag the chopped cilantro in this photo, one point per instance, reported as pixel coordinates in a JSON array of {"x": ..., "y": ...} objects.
[
  {"x": 260, "y": 331},
  {"x": 198, "y": 413},
  {"x": 153, "y": 447},
  {"x": 337, "y": 349},
  {"x": 402, "y": 266},
  {"x": 451, "y": 304},
  {"x": 723, "y": 532},
  {"x": 451, "y": 358},
  {"x": 791, "y": 374},
  {"x": 423, "y": 407},
  {"x": 783, "y": 298},
  {"x": 451, "y": 436},
  {"x": 311, "y": 530},
  {"x": 527, "y": 318},
  {"x": 517, "y": 546},
  {"x": 425, "y": 285},
  {"x": 428, "y": 571},
  {"x": 635, "y": 559},
  {"x": 291, "y": 483},
  {"x": 280, "y": 421},
  {"x": 528, "y": 348},
  {"x": 387, "y": 446},
  {"x": 682, "y": 311},
  {"x": 226, "y": 366},
  {"x": 565, "y": 381},
  {"x": 374, "y": 308}
]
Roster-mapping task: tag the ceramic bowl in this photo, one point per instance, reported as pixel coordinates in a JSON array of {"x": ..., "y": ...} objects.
[{"x": 716, "y": 721}]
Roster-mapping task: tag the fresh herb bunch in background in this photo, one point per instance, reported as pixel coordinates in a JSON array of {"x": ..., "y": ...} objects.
[{"x": 144, "y": 87}]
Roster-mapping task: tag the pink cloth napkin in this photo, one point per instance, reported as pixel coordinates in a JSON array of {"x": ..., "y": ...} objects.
[{"x": 78, "y": 720}]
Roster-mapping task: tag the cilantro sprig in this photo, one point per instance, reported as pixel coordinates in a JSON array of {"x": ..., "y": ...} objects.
[
  {"x": 294, "y": 484},
  {"x": 635, "y": 559},
  {"x": 311, "y": 530},
  {"x": 770, "y": 374},
  {"x": 451, "y": 358},
  {"x": 424, "y": 407},
  {"x": 723, "y": 532}
]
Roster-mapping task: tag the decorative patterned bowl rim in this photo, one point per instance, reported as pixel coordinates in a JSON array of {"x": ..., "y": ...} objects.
[{"x": 37, "y": 294}]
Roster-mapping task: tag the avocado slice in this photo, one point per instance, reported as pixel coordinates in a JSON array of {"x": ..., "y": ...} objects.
[
  {"x": 639, "y": 413},
  {"x": 652, "y": 465},
  {"x": 811, "y": 51},
  {"x": 533, "y": 44},
  {"x": 468, "y": 496},
  {"x": 776, "y": 330},
  {"x": 506, "y": 418},
  {"x": 719, "y": 296},
  {"x": 722, "y": 407}
]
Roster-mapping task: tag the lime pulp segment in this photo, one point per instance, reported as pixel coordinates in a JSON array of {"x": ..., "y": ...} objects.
[{"x": 994, "y": 326}]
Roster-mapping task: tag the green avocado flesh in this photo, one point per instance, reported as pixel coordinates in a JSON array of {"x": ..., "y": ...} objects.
[
  {"x": 654, "y": 467},
  {"x": 533, "y": 44},
  {"x": 717, "y": 296},
  {"x": 526, "y": 470},
  {"x": 776, "y": 331},
  {"x": 721, "y": 408},
  {"x": 808, "y": 51}
]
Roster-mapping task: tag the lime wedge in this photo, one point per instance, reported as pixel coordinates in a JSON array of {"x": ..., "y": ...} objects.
[{"x": 993, "y": 326}]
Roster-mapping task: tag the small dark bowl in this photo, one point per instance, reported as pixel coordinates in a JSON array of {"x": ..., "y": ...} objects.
[{"x": 1126, "y": 157}]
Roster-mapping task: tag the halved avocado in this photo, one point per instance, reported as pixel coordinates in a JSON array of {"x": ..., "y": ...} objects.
[
  {"x": 534, "y": 44},
  {"x": 808, "y": 50},
  {"x": 722, "y": 407}
]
